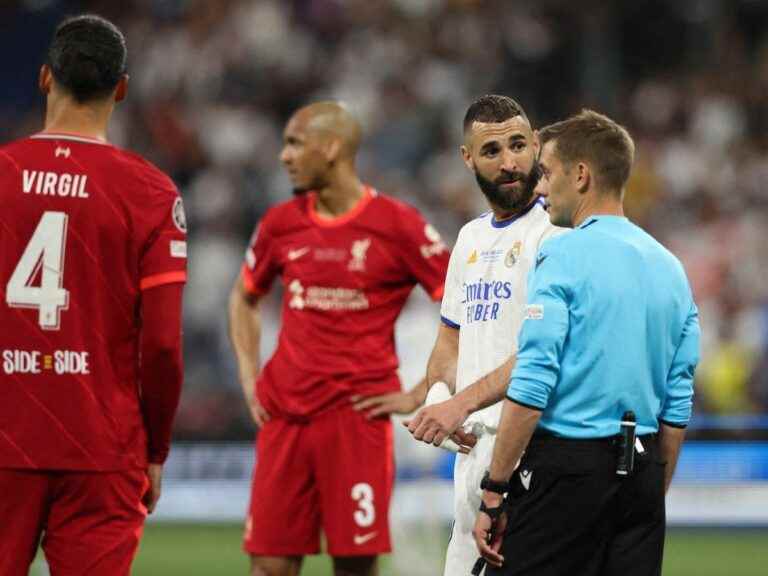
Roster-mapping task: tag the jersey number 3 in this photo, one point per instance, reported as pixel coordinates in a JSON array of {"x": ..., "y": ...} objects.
[
  {"x": 365, "y": 515},
  {"x": 43, "y": 259}
]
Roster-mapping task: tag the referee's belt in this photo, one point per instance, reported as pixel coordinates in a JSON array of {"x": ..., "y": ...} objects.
[{"x": 542, "y": 437}]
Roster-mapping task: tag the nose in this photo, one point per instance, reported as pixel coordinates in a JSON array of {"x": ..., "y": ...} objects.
[
  {"x": 285, "y": 156},
  {"x": 541, "y": 188},
  {"x": 509, "y": 162}
]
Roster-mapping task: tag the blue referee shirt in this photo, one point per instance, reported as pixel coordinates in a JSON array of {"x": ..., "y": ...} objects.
[{"x": 610, "y": 326}]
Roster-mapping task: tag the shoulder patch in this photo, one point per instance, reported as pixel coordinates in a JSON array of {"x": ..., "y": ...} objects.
[
  {"x": 179, "y": 218},
  {"x": 534, "y": 312}
]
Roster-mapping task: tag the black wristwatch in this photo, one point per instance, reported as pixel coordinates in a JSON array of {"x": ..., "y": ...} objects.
[{"x": 492, "y": 485}]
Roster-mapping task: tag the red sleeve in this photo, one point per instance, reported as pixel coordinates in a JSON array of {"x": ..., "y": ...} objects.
[
  {"x": 261, "y": 265},
  {"x": 165, "y": 257},
  {"x": 425, "y": 253},
  {"x": 161, "y": 368}
]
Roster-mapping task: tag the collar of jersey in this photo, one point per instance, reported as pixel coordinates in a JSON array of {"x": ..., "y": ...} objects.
[
  {"x": 592, "y": 219},
  {"x": 504, "y": 223},
  {"x": 368, "y": 195},
  {"x": 68, "y": 136}
]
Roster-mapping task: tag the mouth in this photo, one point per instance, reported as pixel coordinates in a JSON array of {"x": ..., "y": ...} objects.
[{"x": 509, "y": 184}]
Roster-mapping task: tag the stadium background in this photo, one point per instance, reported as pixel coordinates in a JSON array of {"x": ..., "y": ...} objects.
[{"x": 213, "y": 81}]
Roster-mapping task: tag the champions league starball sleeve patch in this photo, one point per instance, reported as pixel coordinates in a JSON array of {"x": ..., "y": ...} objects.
[{"x": 178, "y": 215}]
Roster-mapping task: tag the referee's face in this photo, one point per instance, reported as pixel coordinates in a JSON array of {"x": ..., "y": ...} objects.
[{"x": 560, "y": 195}]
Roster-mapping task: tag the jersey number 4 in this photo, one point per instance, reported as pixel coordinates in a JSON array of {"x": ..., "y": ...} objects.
[{"x": 43, "y": 259}]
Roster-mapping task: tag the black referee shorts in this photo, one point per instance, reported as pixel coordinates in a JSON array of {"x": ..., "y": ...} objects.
[{"x": 570, "y": 514}]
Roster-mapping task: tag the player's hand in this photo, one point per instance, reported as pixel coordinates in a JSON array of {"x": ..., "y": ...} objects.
[
  {"x": 489, "y": 537},
  {"x": 464, "y": 439},
  {"x": 385, "y": 404},
  {"x": 248, "y": 383},
  {"x": 258, "y": 412},
  {"x": 435, "y": 423},
  {"x": 152, "y": 495}
]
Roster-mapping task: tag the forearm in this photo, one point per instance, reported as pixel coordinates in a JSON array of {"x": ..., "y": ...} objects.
[
  {"x": 488, "y": 390},
  {"x": 245, "y": 336},
  {"x": 419, "y": 392},
  {"x": 515, "y": 430},
  {"x": 161, "y": 366},
  {"x": 442, "y": 362},
  {"x": 670, "y": 441},
  {"x": 162, "y": 375}
]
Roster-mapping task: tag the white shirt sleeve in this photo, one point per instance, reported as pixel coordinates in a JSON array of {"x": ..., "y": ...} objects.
[{"x": 451, "y": 308}]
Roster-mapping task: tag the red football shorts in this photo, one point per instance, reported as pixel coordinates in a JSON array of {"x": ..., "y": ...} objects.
[
  {"x": 90, "y": 522},
  {"x": 333, "y": 473}
]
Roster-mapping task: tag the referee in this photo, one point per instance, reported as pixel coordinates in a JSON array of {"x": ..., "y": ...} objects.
[{"x": 611, "y": 334}]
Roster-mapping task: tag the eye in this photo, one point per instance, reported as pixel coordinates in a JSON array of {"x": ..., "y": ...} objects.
[{"x": 518, "y": 146}]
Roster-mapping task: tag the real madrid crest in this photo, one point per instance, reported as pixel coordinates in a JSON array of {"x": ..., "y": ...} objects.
[{"x": 513, "y": 254}]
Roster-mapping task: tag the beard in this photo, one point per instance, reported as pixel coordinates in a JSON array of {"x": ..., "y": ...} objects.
[{"x": 510, "y": 200}]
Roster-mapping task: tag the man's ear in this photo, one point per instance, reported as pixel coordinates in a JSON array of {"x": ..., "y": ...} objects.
[
  {"x": 333, "y": 150},
  {"x": 121, "y": 90},
  {"x": 45, "y": 79},
  {"x": 583, "y": 177},
  {"x": 467, "y": 157}
]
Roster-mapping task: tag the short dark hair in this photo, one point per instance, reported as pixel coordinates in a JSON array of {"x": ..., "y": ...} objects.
[
  {"x": 87, "y": 56},
  {"x": 596, "y": 139},
  {"x": 492, "y": 108}
]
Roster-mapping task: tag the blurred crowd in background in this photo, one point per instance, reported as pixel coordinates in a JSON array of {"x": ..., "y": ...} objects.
[{"x": 213, "y": 82}]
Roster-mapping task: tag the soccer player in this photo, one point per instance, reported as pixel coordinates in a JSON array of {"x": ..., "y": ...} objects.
[
  {"x": 92, "y": 267},
  {"x": 482, "y": 308},
  {"x": 348, "y": 257}
]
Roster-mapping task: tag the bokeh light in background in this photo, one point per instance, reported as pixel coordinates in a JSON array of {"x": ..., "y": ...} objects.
[{"x": 213, "y": 81}]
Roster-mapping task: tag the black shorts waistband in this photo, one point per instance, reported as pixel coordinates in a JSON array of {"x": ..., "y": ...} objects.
[{"x": 540, "y": 437}]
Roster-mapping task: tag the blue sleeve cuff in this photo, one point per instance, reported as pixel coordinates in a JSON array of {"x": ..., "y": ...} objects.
[
  {"x": 677, "y": 412},
  {"x": 529, "y": 393},
  {"x": 524, "y": 405},
  {"x": 450, "y": 323},
  {"x": 673, "y": 424}
]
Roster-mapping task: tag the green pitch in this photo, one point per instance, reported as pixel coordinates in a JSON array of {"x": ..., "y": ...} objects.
[
  {"x": 191, "y": 550},
  {"x": 205, "y": 549}
]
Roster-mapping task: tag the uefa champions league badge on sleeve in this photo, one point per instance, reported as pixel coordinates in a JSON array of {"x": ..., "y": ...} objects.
[{"x": 179, "y": 218}]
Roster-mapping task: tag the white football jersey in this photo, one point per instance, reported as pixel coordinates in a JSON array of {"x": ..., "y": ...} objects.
[{"x": 485, "y": 292}]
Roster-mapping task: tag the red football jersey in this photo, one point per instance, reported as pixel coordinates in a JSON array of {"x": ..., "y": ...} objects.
[
  {"x": 346, "y": 280},
  {"x": 85, "y": 227}
]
